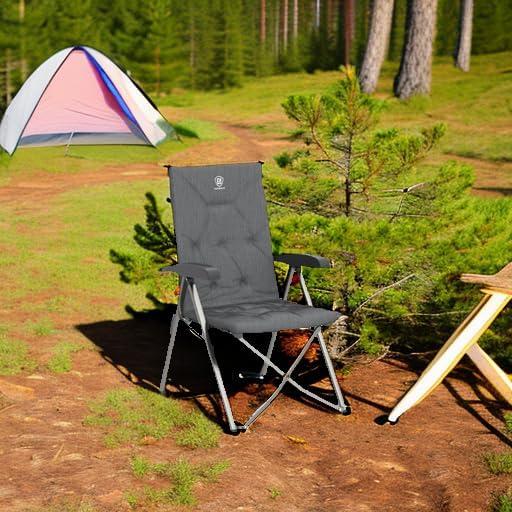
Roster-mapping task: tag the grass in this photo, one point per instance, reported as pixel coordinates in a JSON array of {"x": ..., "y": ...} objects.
[
  {"x": 502, "y": 502},
  {"x": 508, "y": 422},
  {"x": 136, "y": 415},
  {"x": 42, "y": 327},
  {"x": 66, "y": 505},
  {"x": 180, "y": 474},
  {"x": 60, "y": 361},
  {"x": 499, "y": 463},
  {"x": 274, "y": 493},
  {"x": 14, "y": 357}
]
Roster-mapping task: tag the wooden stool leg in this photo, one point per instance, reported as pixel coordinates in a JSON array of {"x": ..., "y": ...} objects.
[
  {"x": 450, "y": 354},
  {"x": 491, "y": 371}
]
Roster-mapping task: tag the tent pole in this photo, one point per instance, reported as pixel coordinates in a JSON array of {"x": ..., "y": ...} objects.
[{"x": 69, "y": 142}]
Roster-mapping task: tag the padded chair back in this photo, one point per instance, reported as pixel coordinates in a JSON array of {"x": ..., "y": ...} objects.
[{"x": 220, "y": 219}]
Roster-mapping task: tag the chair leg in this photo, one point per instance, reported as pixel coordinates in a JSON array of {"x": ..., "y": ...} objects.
[
  {"x": 220, "y": 383},
  {"x": 174, "y": 328},
  {"x": 332, "y": 374},
  {"x": 264, "y": 368},
  {"x": 260, "y": 375}
]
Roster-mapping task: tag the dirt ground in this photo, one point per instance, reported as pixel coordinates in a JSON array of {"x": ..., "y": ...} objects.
[{"x": 430, "y": 461}]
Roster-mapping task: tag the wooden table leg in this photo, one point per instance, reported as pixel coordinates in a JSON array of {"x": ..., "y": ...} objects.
[{"x": 466, "y": 335}]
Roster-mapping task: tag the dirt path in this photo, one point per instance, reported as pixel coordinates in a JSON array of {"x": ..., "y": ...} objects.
[
  {"x": 317, "y": 461},
  {"x": 242, "y": 145}
]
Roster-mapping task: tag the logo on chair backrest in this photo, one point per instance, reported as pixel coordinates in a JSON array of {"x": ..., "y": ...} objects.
[{"x": 219, "y": 182}]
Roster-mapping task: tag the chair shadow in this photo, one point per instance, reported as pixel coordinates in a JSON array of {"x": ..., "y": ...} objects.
[
  {"x": 495, "y": 407},
  {"x": 137, "y": 346}
]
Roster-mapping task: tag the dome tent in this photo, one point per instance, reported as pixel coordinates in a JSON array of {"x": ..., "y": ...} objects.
[{"x": 79, "y": 96}]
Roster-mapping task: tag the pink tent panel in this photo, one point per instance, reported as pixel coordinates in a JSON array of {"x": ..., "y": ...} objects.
[{"x": 77, "y": 100}]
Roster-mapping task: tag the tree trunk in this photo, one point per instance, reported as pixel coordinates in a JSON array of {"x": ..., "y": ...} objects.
[
  {"x": 463, "y": 52},
  {"x": 263, "y": 23},
  {"x": 377, "y": 44},
  {"x": 285, "y": 25},
  {"x": 192, "y": 57},
  {"x": 317, "y": 14},
  {"x": 276, "y": 34},
  {"x": 415, "y": 74},
  {"x": 348, "y": 27},
  {"x": 23, "y": 40},
  {"x": 8, "y": 86},
  {"x": 295, "y": 29}
]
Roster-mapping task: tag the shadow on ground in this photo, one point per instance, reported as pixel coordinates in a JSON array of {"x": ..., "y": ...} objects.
[
  {"x": 136, "y": 347},
  {"x": 484, "y": 407}
]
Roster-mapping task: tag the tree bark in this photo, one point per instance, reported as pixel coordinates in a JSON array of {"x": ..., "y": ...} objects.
[
  {"x": 415, "y": 74},
  {"x": 295, "y": 29},
  {"x": 463, "y": 52},
  {"x": 23, "y": 41},
  {"x": 263, "y": 22},
  {"x": 377, "y": 44},
  {"x": 285, "y": 25},
  {"x": 276, "y": 34},
  {"x": 349, "y": 28},
  {"x": 317, "y": 14}
]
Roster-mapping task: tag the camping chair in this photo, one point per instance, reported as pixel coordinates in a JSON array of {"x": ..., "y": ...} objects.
[
  {"x": 464, "y": 341},
  {"x": 227, "y": 277}
]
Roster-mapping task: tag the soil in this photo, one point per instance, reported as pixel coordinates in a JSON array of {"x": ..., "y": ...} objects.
[{"x": 297, "y": 457}]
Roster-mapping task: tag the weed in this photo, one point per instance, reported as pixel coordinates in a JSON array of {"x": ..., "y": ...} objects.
[
  {"x": 502, "y": 502},
  {"x": 508, "y": 422},
  {"x": 180, "y": 474},
  {"x": 14, "y": 357},
  {"x": 499, "y": 463},
  {"x": 66, "y": 505},
  {"x": 61, "y": 362},
  {"x": 132, "y": 415},
  {"x": 274, "y": 492},
  {"x": 43, "y": 327}
]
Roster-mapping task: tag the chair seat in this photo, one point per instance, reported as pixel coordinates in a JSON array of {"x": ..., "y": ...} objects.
[{"x": 268, "y": 316}]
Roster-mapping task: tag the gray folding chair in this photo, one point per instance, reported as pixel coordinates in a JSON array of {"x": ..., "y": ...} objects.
[{"x": 227, "y": 274}]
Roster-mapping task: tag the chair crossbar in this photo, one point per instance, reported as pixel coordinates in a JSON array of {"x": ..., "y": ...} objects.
[{"x": 188, "y": 285}]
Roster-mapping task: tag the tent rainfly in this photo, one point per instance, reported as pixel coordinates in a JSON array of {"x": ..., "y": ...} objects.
[{"x": 79, "y": 96}]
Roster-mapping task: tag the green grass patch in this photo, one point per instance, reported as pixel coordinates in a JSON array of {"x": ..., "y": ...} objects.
[
  {"x": 199, "y": 129},
  {"x": 60, "y": 361},
  {"x": 180, "y": 478},
  {"x": 133, "y": 415},
  {"x": 42, "y": 327},
  {"x": 508, "y": 422},
  {"x": 274, "y": 493},
  {"x": 502, "y": 502},
  {"x": 14, "y": 357},
  {"x": 499, "y": 463}
]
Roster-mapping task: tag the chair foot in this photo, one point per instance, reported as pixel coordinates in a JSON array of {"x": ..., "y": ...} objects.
[
  {"x": 163, "y": 391},
  {"x": 239, "y": 428},
  {"x": 346, "y": 411}
]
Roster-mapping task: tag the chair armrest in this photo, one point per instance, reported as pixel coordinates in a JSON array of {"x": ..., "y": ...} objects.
[
  {"x": 195, "y": 270},
  {"x": 303, "y": 260}
]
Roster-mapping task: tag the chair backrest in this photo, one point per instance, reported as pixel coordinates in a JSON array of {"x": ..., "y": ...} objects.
[{"x": 220, "y": 219}]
